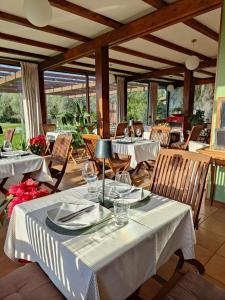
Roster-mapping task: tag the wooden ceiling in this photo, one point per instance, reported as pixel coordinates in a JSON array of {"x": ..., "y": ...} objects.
[{"x": 144, "y": 37}]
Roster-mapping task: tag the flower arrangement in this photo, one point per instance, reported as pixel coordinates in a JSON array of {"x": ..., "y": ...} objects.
[
  {"x": 19, "y": 193},
  {"x": 37, "y": 144}
]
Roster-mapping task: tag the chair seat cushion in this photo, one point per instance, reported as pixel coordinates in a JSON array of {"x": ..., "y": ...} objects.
[
  {"x": 193, "y": 286},
  {"x": 28, "y": 283}
]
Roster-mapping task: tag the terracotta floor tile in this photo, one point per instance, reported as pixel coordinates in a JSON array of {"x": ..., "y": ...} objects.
[
  {"x": 207, "y": 210},
  {"x": 202, "y": 254},
  {"x": 218, "y": 283},
  {"x": 214, "y": 226},
  {"x": 149, "y": 289},
  {"x": 219, "y": 215},
  {"x": 221, "y": 250},
  {"x": 167, "y": 270},
  {"x": 209, "y": 240},
  {"x": 216, "y": 268}
]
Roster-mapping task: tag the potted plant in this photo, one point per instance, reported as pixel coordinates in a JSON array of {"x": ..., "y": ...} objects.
[
  {"x": 37, "y": 144},
  {"x": 198, "y": 118}
]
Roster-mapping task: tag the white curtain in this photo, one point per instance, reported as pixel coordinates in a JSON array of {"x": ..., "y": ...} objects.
[{"x": 31, "y": 99}]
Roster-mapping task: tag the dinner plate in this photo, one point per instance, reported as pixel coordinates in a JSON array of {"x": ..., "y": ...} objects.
[
  {"x": 14, "y": 153},
  {"x": 135, "y": 197},
  {"x": 93, "y": 216},
  {"x": 125, "y": 141}
]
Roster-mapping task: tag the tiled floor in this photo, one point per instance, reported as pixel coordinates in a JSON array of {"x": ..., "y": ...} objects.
[{"x": 210, "y": 247}]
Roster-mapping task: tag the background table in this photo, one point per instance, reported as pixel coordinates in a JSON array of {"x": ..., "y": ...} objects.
[
  {"x": 52, "y": 135},
  {"x": 106, "y": 262},
  {"x": 139, "y": 151}
]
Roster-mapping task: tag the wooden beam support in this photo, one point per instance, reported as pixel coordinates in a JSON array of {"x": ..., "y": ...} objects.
[
  {"x": 102, "y": 90},
  {"x": 87, "y": 95},
  {"x": 200, "y": 81},
  {"x": 176, "y": 12},
  {"x": 42, "y": 96},
  {"x": 188, "y": 98},
  {"x": 50, "y": 29},
  {"x": 85, "y": 13},
  {"x": 155, "y": 3}
]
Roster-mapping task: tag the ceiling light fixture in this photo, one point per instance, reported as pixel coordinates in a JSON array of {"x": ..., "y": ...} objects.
[
  {"x": 192, "y": 62},
  {"x": 170, "y": 88},
  {"x": 38, "y": 12}
]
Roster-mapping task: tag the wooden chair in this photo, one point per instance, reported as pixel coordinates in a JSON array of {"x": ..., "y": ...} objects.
[
  {"x": 193, "y": 136},
  {"x": 60, "y": 155},
  {"x": 48, "y": 127},
  {"x": 161, "y": 134},
  {"x": 138, "y": 125},
  {"x": 114, "y": 163},
  {"x": 120, "y": 129},
  {"x": 8, "y": 136},
  {"x": 181, "y": 176}
]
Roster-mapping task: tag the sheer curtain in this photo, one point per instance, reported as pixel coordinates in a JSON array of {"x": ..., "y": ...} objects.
[{"x": 31, "y": 99}]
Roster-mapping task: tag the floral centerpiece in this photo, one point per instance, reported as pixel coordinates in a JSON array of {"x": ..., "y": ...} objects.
[
  {"x": 37, "y": 144},
  {"x": 19, "y": 193}
]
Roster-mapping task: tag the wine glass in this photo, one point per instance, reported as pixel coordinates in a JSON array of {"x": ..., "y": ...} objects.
[
  {"x": 126, "y": 132},
  {"x": 7, "y": 146},
  {"x": 122, "y": 184},
  {"x": 138, "y": 132},
  {"x": 90, "y": 176}
]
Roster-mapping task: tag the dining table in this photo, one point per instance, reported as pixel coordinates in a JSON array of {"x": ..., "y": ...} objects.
[
  {"x": 140, "y": 150},
  {"x": 104, "y": 261},
  {"x": 52, "y": 135},
  {"x": 23, "y": 163}
]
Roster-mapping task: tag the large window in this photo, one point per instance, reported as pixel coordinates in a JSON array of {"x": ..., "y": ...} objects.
[
  {"x": 161, "y": 103},
  {"x": 11, "y": 115},
  {"x": 137, "y": 101}
]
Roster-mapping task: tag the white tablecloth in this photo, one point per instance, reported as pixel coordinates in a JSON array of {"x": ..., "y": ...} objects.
[
  {"x": 34, "y": 164},
  {"x": 139, "y": 151},
  {"x": 106, "y": 262},
  {"x": 52, "y": 135}
]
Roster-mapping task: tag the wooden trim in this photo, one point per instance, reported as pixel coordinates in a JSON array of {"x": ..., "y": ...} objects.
[
  {"x": 188, "y": 100},
  {"x": 217, "y": 203},
  {"x": 218, "y": 110},
  {"x": 25, "y": 41},
  {"x": 85, "y": 13},
  {"x": 194, "y": 24},
  {"x": 50, "y": 29},
  {"x": 175, "y": 12},
  {"x": 42, "y": 96},
  {"x": 199, "y": 81},
  {"x": 156, "y": 3}
]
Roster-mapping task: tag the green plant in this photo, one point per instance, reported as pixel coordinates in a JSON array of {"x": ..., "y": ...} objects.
[{"x": 198, "y": 118}]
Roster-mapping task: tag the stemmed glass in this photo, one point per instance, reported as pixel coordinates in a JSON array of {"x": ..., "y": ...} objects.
[
  {"x": 90, "y": 176},
  {"x": 126, "y": 132},
  {"x": 138, "y": 132},
  {"x": 7, "y": 146},
  {"x": 122, "y": 185}
]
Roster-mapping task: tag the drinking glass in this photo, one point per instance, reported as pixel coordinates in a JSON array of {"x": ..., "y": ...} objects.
[
  {"x": 90, "y": 176},
  {"x": 122, "y": 184},
  {"x": 7, "y": 146},
  {"x": 121, "y": 212},
  {"x": 138, "y": 132},
  {"x": 126, "y": 132}
]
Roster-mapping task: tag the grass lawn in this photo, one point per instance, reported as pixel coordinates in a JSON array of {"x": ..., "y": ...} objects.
[{"x": 18, "y": 135}]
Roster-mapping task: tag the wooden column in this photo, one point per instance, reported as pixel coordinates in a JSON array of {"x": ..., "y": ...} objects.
[
  {"x": 42, "y": 96},
  {"x": 153, "y": 96},
  {"x": 121, "y": 99},
  {"x": 102, "y": 90},
  {"x": 188, "y": 102},
  {"x": 87, "y": 95}
]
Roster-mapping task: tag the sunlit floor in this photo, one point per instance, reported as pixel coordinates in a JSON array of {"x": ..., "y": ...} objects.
[{"x": 210, "y": 248}]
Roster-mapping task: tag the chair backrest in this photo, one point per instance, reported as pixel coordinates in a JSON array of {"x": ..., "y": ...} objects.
[
  {"x": 181, "y": 175},
  {"x": 120, "y": 129},
  {"x": 90, "y": 141},
  {"x": 195, "y": 132},
  {"x": 138, "y": 125},
  {"x": 48, "y": 127},
  {"x": 9, "y": 134},
  {"x": 61, "y": 149},
  {"x": 161, "y": 134}
]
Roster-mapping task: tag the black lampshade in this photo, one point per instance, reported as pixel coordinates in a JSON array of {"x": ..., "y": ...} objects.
[
  {"x": 1, "y": 132},
  {"x": 103, "y": 149}
]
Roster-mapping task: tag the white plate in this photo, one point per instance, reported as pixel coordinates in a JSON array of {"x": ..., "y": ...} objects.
[
  {"x": 14, "y": 153},
  {"x": 87, "y": 219},
  {"x": 135, "y": 197}
]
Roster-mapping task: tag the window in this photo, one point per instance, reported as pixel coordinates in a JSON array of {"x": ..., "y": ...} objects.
[{"x": 161, "y": 103}]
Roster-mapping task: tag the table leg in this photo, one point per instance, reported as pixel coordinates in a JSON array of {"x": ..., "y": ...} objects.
[
  {"x": 212, "y": 182},
  {"x": 2, "y": 183}
]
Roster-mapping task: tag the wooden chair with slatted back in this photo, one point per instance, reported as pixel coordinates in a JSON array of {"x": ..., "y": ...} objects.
[
  {"x": 115, "y": 164},
  {"x": 161, "y": 134},
  {"x": 48, "y": 127},
  {"x": 193, "y": 136},
  {"x": 138, "y": 125},
  {"x": 9, "y": 133},
  {"x": 181, "y": 176},
  {"x": 120, "y": 129},
  {"x": 59, "y": 159}
]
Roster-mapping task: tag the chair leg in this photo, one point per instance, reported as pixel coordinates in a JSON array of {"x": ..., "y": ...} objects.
[{"x": 199, "y": 266}]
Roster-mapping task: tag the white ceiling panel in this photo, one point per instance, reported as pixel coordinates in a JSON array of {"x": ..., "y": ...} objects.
[
  {"x": 182, "y": 35},
  {"x": 18, "y": 57},
  {"x": 211, "y": 19},
  {"x": 212, "y": 69}
]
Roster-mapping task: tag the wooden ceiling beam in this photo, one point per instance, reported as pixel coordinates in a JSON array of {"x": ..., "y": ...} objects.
[
  {"x": 85, "y": 13},
  {"x": 25, "y": 41},
  {"x": 199, "y": 81},
  {"x": 194, "y": 24},
  {"x": 175, "y": 12},
  {"x": 49, "y": 29},
  {"x": 23, "y": 53}
]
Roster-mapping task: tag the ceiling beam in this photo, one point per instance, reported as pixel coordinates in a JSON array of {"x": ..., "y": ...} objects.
[
  {"x": 49, "y": 29},
  {"x": 194, "y": 24},
  {"x": 176, "y": 12},
  {"x": 25, "y": 41},
  {"x": 199, "y": 81},
  {"x": 85, "y": 13}
]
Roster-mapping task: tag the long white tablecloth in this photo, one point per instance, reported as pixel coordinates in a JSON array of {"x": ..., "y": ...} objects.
[
  {"x": 34, "y": 164},
  {"x": 52, "y": 135},
  {"x": 139, "y": 151},
  {"x": 106, "y": 262}
]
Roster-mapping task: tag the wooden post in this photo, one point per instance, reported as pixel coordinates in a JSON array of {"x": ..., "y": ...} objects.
[
  {"x": 42, "y": 96},
  {"x": 87, "y": 95},
  {"x": 188, "y": 101},
  {"x": 102, "y": 90},
  {"x": 121, "y": 99}
]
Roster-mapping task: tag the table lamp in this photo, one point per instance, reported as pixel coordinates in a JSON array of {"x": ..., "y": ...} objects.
[{"x": 103, "y": 150}]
